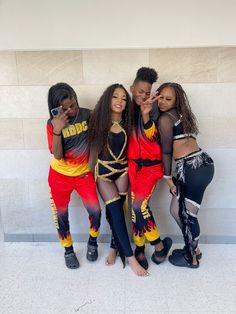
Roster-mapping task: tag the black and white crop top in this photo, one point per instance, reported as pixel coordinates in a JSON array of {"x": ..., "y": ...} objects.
[
  {"x": 178, "y": 131},
  {"x": 170, "y": 129}
]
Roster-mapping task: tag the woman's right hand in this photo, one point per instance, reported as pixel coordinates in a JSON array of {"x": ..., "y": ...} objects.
[{"x": 60, "y": 121}]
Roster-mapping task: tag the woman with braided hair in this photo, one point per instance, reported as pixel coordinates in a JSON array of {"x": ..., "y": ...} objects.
[
  {"x": 109, "y": 127},
  {"x": 195, "y": 169}
]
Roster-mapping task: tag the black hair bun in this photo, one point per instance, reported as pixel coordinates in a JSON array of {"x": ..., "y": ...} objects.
[{"x": 147, "y": 75}]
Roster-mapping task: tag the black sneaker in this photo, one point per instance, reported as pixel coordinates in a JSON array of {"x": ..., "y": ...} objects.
[{"x": 92, "y": 253}]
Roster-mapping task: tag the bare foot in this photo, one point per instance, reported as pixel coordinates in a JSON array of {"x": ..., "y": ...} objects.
[
  {"x": 137, "y": 269},
  {"x": 195, "y": 260},
  {"x": 198, "y": 251},
  {"x": 111, "y": 258}
]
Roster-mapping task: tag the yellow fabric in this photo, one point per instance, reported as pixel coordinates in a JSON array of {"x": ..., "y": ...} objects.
[
  {"x": 69, "y": 169},
  {"x": 151, "y": 131},
  {"x": 139, "y": 241},
  {"x": 149, "y": 235},
  {"x": 66, "y": 242},
  {"x": 93, "y": 232},
  {"x": 152, "y": 235}
]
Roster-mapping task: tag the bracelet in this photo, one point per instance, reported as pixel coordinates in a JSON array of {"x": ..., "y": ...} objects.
[
  {"x": 167, "y": 177},
  {"x": 56, "y": 134}
]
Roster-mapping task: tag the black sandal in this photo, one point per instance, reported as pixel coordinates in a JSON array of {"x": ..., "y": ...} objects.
[
  {"x": 71, "y": 261},
  {"x": 181, "y": 261},
  {"x": 167, "y": 243},
  {"x": 184, "y": 251}
]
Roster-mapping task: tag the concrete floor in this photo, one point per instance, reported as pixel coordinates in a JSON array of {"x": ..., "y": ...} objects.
[{"x": 33, "y": 279}]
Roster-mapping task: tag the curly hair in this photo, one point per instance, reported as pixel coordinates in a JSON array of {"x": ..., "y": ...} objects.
[
  {"x": 101, "y": 122},
  {"x": 59, "y": 92},
  {"x": 183, "y": 108},
  {"x": 146, "y": 75}
]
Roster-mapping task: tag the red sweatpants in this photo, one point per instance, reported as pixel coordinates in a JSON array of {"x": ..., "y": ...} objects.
[
  {"x": 61, "y": 187},
  {"x": 142, "y": 183}
]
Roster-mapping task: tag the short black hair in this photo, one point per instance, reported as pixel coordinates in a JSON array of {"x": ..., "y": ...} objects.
[
  {"x": 146, "y": 74},
  {"x": 59, "y": 92}
]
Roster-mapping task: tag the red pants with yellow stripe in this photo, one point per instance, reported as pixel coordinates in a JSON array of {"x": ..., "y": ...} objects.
[
  {"x": 61, "y": 187},
  {"x": 142, "y": 183}
]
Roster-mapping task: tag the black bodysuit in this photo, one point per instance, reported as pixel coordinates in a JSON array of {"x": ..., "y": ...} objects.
[{"x": 113, "y": 165}]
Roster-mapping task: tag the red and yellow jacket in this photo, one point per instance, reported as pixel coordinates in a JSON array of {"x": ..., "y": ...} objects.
[{"x": 144, "y": 141}]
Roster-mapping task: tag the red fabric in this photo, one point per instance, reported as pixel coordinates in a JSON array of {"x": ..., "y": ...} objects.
[
  {"x": 62, "y": 187},
  {"x": 140, "y": 147},
  {"x": 143, "y": 180},
  {"x": 50, "y": 136}
]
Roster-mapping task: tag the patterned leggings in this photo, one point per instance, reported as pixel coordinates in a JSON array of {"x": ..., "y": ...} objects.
[{"x": 194, "y": 173}]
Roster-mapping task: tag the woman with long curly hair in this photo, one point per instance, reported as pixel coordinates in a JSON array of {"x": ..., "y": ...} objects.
[
  {"x": 194, "y": 168},
  {"x": 109, "y": 127}
]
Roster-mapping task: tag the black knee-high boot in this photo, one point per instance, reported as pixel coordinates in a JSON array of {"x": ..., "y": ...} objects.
[
  {"x": 123, "y": 198},
  {"x": 116, "y": 219}
]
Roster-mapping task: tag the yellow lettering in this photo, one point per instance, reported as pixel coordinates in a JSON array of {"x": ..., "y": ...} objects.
[
  {"x": 75, "y": 129},
  {"x": 78, "y": 128},
  {"x": 84, "y": 126},
  {"x": 72, "y": 130},
  {"x": 65, "y": 132}
]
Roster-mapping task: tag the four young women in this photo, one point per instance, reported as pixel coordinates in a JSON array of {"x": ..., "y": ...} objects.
[{"x": 135, "y": 139}]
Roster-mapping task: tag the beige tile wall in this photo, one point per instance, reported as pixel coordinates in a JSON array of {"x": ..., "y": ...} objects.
[
  {"x": 47, "y": 67},
  {"x": 207, "y": 74}
]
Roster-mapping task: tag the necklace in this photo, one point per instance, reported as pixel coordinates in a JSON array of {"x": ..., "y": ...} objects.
[
  {"x": 76, "y": 116},
  {"x": 116, "y": 122}
]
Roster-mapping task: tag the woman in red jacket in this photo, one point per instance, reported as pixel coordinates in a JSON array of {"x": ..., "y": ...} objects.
[{"x": 145, "y": 168}]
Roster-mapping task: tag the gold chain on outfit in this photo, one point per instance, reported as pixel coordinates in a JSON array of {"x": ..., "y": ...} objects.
[{"x": 108, "y": 164}]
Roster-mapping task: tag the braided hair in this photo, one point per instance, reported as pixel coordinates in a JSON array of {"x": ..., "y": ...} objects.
[{"x": 183, "y": 108}]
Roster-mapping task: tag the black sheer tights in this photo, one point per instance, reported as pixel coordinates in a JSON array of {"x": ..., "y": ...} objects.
[
  {"x": 111, "y": 190},
  {"x": 191, "y": 211}
]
